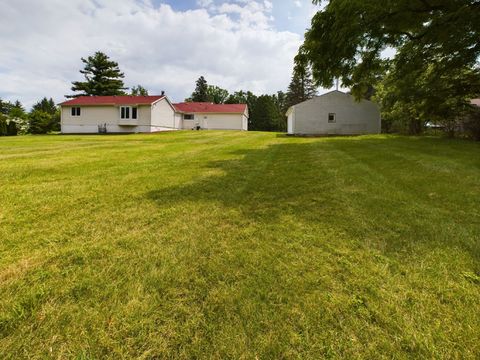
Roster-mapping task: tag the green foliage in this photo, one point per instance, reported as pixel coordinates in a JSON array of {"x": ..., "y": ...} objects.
[
  {"x": 3, "y": 125},
  {"x": 347, "y": 38},
  {"x": 139, "y": 90},
  {"x": 426, "y": 95},
  {"x": 40, "y": 122},
  {"x": 216, "y": 94},
  {"x": 265, "y": 115},
  {"x": 238, "y": 245},
  {"x": 301, "y": 87},
  {"x": 46, "y": 105},
  {"x": 201, "y": 91},
  {"x": 102, "y": 77},
  {"x": 12, "y": 129}
]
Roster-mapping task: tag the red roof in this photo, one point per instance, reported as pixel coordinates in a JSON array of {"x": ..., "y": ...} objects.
[
  {"x": 113, "y": 100},
  {"x": 202, "y": 107}
]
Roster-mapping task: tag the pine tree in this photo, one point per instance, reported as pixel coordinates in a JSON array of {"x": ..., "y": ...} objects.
[
  {"x": 102, "y": 77},
  {"x": 46, "y": 105},
  {"x": 301, "y": 87},
  {"x": 201, "y": 91}
]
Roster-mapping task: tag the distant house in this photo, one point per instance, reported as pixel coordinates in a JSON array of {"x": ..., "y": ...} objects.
[
  {"x": 213, "y": 116},
  {"x": 475, "y": 102},
  {"x": 133, "y": 114},
  {"x": 334, "y": 113}
]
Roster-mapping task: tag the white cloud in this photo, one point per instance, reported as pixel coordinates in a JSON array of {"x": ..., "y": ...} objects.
[{"x": 232, "y": 45}]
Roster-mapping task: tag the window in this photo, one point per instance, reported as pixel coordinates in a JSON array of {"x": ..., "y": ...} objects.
[
  {"x": 128, "y": 112},
  {"x": 188, "y": 117},
  {"x": 75, "y": 111},
  {"x": 332, "y": 118}
]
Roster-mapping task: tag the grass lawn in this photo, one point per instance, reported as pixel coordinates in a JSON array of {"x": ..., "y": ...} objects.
[{"x": 239, "y": 245}]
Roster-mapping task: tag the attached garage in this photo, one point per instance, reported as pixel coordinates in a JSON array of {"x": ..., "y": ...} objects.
[
  {"x": 210, "y": 116},
  {"x": 334, "y": 113}
]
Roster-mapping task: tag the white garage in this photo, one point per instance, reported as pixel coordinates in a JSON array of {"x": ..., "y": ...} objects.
[
  {"x": 334, "y": 113},
  {"x": 210, "y": 116}
]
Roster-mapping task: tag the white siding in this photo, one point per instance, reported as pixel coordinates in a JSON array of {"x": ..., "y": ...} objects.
[
  {"x": 351, "y": 117},
  {"x": 217, "y": 122},
  {"x": 163, "y": 115},
  {"x": 290, "y": 122},
  {"x": 150, "y": 118}
]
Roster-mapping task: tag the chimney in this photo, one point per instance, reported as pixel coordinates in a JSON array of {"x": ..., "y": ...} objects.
[{"x": 163, "y": 92}]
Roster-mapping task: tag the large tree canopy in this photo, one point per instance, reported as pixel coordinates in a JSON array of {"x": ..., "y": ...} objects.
[
  {"x": 347, "y": 38},
  {"x": 102, "y": 77}
]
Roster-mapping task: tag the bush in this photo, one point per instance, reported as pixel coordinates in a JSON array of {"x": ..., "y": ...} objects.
[
  {"x": 40, "y": 122},
  {"x": 12, "y": 129},
  {"x": 3, "y": 125}
]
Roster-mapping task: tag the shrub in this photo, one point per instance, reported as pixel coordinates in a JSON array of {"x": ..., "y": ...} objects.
[
  {"x": 3, "y": 125},
  {"x": 471, "y": 124},
  {"x": 40, "y": 122},
  {"x": 12, "y": 129}
]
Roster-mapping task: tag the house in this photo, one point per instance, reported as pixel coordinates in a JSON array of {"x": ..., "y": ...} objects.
[
  {"x": 213, "y": 116},
  {"x": 133, "y": 114},
  {"x": 475, "y": 102},
  {"x": 334, "y": 113}
]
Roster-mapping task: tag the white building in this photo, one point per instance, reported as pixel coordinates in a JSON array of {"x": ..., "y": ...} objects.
[
  {"x": 133, "y": 114},
  {"x": 334, "y": 113}
]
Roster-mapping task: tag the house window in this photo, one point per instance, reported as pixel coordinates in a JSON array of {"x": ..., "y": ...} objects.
[
  {"x": 332, "y": 118},
  {"x": 188, "y": 117},
  {"x": 75, "y": 111},
  {"x": 128, "y": 112}
]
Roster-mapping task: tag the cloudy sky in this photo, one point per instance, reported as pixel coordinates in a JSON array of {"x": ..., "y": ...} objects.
[{"x": 160, "y": 44}]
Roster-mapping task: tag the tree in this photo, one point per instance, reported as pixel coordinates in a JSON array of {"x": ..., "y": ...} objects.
[
  {"x": 12, "y": 129},
  {"x": 216, "y": 94},
  {"x": 139, "y": 90},
  {"x": 17, "y": 110},
  {"x": 265, "y": 115},
  {"x": 46, "y": 105},
  {"x": 426, "y": 95},
  {"x": 102, "y": 77},
  {"x": 201, "y": 91},
  {"x": 301, "y": 87},
  {"x": 40, "y": 122},
  {"x": 3, "y": 125},
  {"x": 242, "y": 97},
  {"x": 347, "y": 38}
]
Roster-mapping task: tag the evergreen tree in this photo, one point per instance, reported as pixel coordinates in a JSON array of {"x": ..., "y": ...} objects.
[
  {"x": 102, "y": 77},
  {"x": 139, "y": 90},
  {"x": 46, "y": 105},
  {"x": 17, "y": 111},
  {"x": 3, "y": 125},
  {"x": 301, "y": 87},
  {"x": 12, "y": 129},
  {"x": 40, "y": 122},
  {"x": 201, "y": 91},
  {"x": 265, "y": 115}
]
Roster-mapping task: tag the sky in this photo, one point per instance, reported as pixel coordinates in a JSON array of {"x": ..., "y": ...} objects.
[{"x": 159, "y": 44}]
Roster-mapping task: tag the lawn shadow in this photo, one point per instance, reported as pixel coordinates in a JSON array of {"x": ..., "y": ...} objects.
[{"x": 371, "y": 189}]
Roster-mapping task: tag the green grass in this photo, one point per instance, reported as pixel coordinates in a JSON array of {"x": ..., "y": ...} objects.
[{"x": 239, "y": 245}]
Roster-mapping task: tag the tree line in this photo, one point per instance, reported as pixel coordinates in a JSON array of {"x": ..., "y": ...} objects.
[{"x": 44, "y": 117}]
